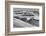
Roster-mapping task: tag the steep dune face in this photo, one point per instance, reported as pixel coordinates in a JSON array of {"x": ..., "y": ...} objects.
[{"x": 19, "y": 23}]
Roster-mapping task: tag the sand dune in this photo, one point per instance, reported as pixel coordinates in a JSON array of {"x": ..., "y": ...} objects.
[{"x": 19, "y": 23}]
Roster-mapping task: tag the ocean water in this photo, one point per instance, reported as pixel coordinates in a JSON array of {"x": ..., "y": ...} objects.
[{"x": 36, "y": 23}]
